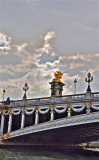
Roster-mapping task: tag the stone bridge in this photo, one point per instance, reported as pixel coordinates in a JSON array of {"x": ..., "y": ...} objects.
[{"x": 51, "y": 120}]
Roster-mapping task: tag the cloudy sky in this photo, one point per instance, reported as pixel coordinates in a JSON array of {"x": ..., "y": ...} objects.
[{"x": 39, "y": 37}]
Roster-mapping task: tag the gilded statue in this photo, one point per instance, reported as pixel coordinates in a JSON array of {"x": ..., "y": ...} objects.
[{"x": 58, "y": 75}]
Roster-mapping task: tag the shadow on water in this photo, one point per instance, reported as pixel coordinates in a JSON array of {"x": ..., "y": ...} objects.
[{"x": 48, "y": 153}]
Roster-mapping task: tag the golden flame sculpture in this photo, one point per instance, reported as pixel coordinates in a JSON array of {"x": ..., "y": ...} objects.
[{"x": 58, "y": 75}]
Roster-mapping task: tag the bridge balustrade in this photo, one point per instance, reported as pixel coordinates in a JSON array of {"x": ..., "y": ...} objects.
[{"x": 95, "y": 95}]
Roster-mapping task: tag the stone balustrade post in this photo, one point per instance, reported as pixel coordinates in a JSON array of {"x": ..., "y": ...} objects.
[
  {"x": 2, "y": 123},
  {"x": 87, "y": 107},
  {"x": 52, "y": 115},
  {"x": 69, "y": 110},
  {"x": 36, "y": 117},
  {"x": 10, "y": 122},
  {"x": 22, "y": 120}
]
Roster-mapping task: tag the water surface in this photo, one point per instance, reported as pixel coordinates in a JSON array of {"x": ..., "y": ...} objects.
[{"x": 68, "y": 153}]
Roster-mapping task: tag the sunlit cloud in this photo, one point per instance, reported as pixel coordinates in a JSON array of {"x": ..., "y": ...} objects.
[
  {"x": 47, "y": 48},
  {"x": 5, "y": 42},
  {"x": 38, "y": 75}
]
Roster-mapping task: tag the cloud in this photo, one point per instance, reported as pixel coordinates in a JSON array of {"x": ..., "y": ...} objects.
[
  {"x": 5, "y": 42},
  {"x": 75, "y": 65},
  {"x": 21, "y": 48},
  {"x": 47, "y": 48},
  {"x": 49, "y": 36},
  {"x": 28, "y": 68},
  {"x": 80, "y": 57}
]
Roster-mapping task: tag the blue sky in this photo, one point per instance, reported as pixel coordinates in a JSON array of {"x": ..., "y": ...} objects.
[{"x": 39, "y": 37}]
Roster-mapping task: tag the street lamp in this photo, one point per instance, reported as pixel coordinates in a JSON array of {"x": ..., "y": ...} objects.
[
  {"x": 89, "y": 79},
  {"x": 25, "y": 89},
  {"x": 3, "y": 95},
  {"x": 75, "y": 82}
]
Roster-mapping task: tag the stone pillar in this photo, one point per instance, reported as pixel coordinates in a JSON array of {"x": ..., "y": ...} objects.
[
  {"x": 36, "y": 117},
  {"x": 56, "y": 88},
  {"x": 10, "y": 122},
  {"x": 2, "y": 123},
  {"x": 22, "y": 120}
]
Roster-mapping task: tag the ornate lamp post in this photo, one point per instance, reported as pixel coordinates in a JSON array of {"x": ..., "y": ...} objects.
[
  {"x": 25, "y": 89},
  {"x": 75, "y": 82},
  {"x": 89, "y": 79},
  {"x": 3, "y": 95}
]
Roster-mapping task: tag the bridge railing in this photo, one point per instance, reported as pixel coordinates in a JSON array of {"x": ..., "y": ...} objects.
[
  {"x": 51, "y": 100},
  {"x": 95, "y": 95}
]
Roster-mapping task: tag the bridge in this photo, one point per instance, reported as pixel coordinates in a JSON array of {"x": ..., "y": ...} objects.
[{"x": 68, "y": 119}]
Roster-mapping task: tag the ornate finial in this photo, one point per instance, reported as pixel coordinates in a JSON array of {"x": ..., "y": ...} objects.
[
  {"x": 25, "y": 88},
  {"x": 89, "y": 79},
  {"x": 58, "y": 76}
]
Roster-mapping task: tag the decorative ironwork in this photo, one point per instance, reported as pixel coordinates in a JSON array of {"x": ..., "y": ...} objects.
[
  {"x": 25, "y": 89},
  {"x": 89, "y": 79}
]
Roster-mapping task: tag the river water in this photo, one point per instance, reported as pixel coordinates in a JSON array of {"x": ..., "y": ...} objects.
[{"x": 48, "y": 154}]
